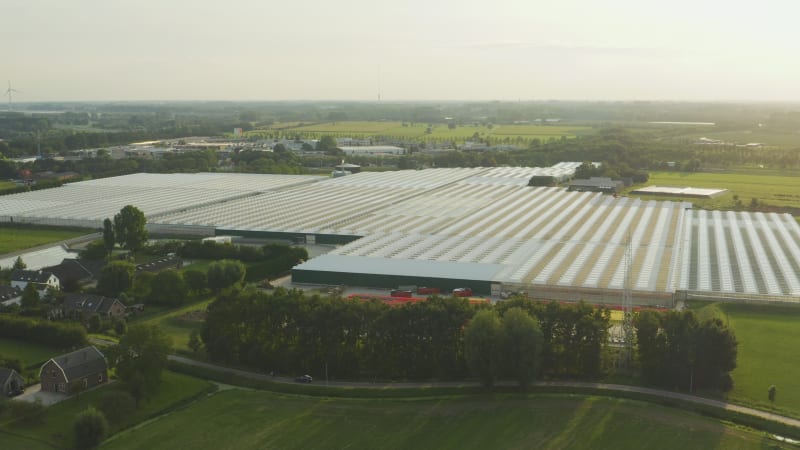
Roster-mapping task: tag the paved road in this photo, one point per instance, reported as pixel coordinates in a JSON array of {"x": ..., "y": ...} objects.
[{"x": 605, "y": 386}]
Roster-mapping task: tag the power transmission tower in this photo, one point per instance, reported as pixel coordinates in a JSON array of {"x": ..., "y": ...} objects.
[{"x": 627, "y": 305}]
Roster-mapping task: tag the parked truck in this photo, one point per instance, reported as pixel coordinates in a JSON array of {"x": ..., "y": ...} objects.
[{"x": 462, "y": 292}]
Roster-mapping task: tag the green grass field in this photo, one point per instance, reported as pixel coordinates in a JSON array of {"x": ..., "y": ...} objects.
[
  {"x": 57, "y": 426},
  {"x": 768, "y": 337},
  {"x": 30, "y": 354},
  {"x": 257, "y": 419},
  {"x": 438, "y": 131},
  {"x": 13, "y": 239},
  {"x": 770, "y": 189}
]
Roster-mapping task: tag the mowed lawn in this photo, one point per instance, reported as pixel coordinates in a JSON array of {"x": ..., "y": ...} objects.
[
  {"x": 769, "y": 353},
  {"x": 770, "y": 189},
  {"x": 15, "y": 238},
  {"x": 57, "y": 425},
  {"x": 238, "y": 419}
]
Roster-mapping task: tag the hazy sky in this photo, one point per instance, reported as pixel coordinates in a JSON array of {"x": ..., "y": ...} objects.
[{"x": 412, "y": 49}]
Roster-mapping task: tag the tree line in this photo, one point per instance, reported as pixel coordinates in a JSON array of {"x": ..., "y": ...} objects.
[
  {"x": 447, "y": 338},
  {"x": 288, "y": 332}
]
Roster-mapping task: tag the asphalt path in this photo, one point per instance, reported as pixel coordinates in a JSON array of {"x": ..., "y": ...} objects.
[{"x": 575, "y": 384}]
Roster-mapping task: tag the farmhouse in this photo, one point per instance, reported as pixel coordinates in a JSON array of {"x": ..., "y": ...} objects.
[
  {"x": 90, "y": 304},
  {"x": 74, "y": 371},
  {"x": 11, "y": 382},
  {"x": 41, "y": 279}
]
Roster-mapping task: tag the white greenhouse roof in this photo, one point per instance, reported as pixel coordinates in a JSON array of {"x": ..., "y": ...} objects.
[{"x": 464, "y": 223}]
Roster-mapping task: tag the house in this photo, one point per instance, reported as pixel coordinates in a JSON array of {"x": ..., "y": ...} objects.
[
  {"x": 74, "y": 371},
  {"x": 10, "y": 295},
  {"x": 74, "y": 272},
  {"x": 11, "y": 382},
  {"x": 91, "y": 304},
  {"x": 40, "y": 278}
]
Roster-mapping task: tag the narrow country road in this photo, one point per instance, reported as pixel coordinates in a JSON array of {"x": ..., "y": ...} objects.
[{"x": 604, "y": 386}]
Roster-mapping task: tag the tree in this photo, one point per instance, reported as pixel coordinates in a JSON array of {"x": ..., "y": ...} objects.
[
  {"x": 773, "y": 390},
  {"x": 482, "y": 342},
  {"x": 328, "y": 145},
  {"x": 196, "y": 280},
  {"x": 224, "y": 274},
  {"x": 168, "y": 288},
  {"x": 30, "y": 297},
  {"x": 129, "y": 228},
  {"x": 715, "y": 355},
  {"x": 19, "y": 264},
  {"x": 90, "y": 428},
  {"x": 522, "y": 346},
  {"x": 108, "y": 235},
  {"x": 115, "y": 278},
  {"x": 140, "y": 357}
]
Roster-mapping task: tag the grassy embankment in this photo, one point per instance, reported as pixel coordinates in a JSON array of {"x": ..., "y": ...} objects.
[
  {"x": 257, "y": 419},
  {"x": 15, "y": 238}
]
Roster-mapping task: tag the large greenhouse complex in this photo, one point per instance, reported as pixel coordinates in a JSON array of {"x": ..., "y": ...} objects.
[{"x": 482, "y": 228}]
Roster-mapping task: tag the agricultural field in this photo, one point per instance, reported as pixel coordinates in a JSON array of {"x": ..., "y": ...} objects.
[
  {"x": 417, "y": 131},
  {"x": 15, "y": 238},
  {"x": 56, "y": 428},
  {"x": 768, "y": 336},
  {"x": 257, "y": 419},
  {"x": 771, "y": 189}
]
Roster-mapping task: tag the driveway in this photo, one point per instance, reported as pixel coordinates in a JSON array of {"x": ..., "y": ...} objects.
[{"x": 34, "y": 393}]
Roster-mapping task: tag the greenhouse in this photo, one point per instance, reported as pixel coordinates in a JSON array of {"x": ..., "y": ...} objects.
[{"x": 483, "y": 228}]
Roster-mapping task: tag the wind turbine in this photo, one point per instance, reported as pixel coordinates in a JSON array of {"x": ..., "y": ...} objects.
[{"x": 9, "y": 91}]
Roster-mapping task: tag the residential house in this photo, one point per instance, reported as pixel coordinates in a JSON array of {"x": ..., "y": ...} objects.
[
  {"x": 74, "y": 371},
  {"x": 90, "y": 304},
  {"x": 10, "y": 295},
  {"x": 43, "y": 280},
  {"x": 11, "y": 382},
  {"x": 72, "y": 272}
]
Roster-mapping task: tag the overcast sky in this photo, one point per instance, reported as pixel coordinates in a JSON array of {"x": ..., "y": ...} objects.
[{"x": 407, "y": 49}]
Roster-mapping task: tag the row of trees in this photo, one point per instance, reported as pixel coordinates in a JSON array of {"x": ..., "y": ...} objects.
[{"x": 289, "y": 332}]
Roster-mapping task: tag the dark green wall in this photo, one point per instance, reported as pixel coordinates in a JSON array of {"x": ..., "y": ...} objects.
[
  {"x": 331, "y": 239},
  {"x": 479, "y": 287}
]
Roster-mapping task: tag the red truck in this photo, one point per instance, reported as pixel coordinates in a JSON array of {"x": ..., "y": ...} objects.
[
  {"x": 399, "y": 293},
  {"x": 462, "y": 292},
  {"x": 428, "y": 290}
]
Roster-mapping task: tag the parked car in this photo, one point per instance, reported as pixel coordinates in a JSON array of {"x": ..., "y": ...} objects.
[
  {"x": 304, "y": 379},
  {"x": 16, "y": 392}
]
